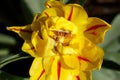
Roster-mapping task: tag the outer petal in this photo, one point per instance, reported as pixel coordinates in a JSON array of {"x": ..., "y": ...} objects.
[
  {"x": 23, "y": 31},
  {"x": 36, "y": 71},
  {"x": 96, "y": 29},
  {"x": 36, "y": 18},
  {"x": 76, "y": 14},
  {"x": 55, "y": 11},
  {"x": 91, "y": 56},
  {"x": 29, "y": 48}
]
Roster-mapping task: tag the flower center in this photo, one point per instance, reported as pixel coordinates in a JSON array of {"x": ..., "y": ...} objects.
[
  {"x": 62, "y": 32},
  {"x": 62, "y": 37}
]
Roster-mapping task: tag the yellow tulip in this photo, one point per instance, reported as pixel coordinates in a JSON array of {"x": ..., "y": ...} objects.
[{"x": 63, "y": 40}]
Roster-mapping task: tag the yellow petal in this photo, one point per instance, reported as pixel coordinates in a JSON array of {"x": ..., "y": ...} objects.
[
  {"x": 76, "y": 14},
  {"x": 47, "y": 64},
  {"x": 96, "y": 29},
  {"x": 91, "y": 56},
  {"x": 71, "y": 12},
  {"x": 54, "y": 8},
  {"x": 53, "y": 3},
  {"x": 43, "y": 45},
  {"x": 29, "y": 48},
  {"x": 59, "y": 72},
  {"x": 36, "y": 71},
  {"x": 52, "y": 12},
  {"x": 60, "y": 23},
  {"x": 23, "y": 31},
  {"x": 85, "y": 75},
  {"x": 70, "y": 61}
]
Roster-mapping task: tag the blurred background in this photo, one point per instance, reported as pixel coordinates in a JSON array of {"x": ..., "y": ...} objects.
[{"x": 21, "y": 12}]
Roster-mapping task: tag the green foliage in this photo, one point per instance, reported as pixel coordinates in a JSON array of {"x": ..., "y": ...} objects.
[
  {"x": 106, "y": 74},
  {"x": 12, "y": 58},
  {"x": 36, "y": 6}
]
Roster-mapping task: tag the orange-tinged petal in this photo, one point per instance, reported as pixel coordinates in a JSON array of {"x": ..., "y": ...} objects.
[
  {"x": 36, "y": 71},
  {"x": 23, "y": 31},
  {"x": 96, "y": 29},
  {"x": 76, "y": 14}
]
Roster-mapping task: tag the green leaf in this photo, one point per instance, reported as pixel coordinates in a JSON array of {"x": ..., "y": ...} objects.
[
  {"x": 112, "y": 51},
  {"x": 109, "y": 64},
  {"x": 36, "y": 6},
  {"x": 11, "y": 58},
  {"x": 106, "y": 74},
  {"x": 4, "y": 52},
  {"x": 5, "y": 43},
  {"x": 6, "y": 76},
  {"x": 5, "y": 39}
]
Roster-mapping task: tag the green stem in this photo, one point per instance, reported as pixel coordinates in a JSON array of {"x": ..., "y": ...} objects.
[{"x": 13, "y": 58}]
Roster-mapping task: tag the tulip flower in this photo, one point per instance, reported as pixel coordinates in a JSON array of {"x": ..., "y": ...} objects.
[{"x": 63, "y": 40}]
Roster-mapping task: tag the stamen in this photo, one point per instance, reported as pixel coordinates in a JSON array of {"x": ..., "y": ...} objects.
[{"x": 60, "y": 32}]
